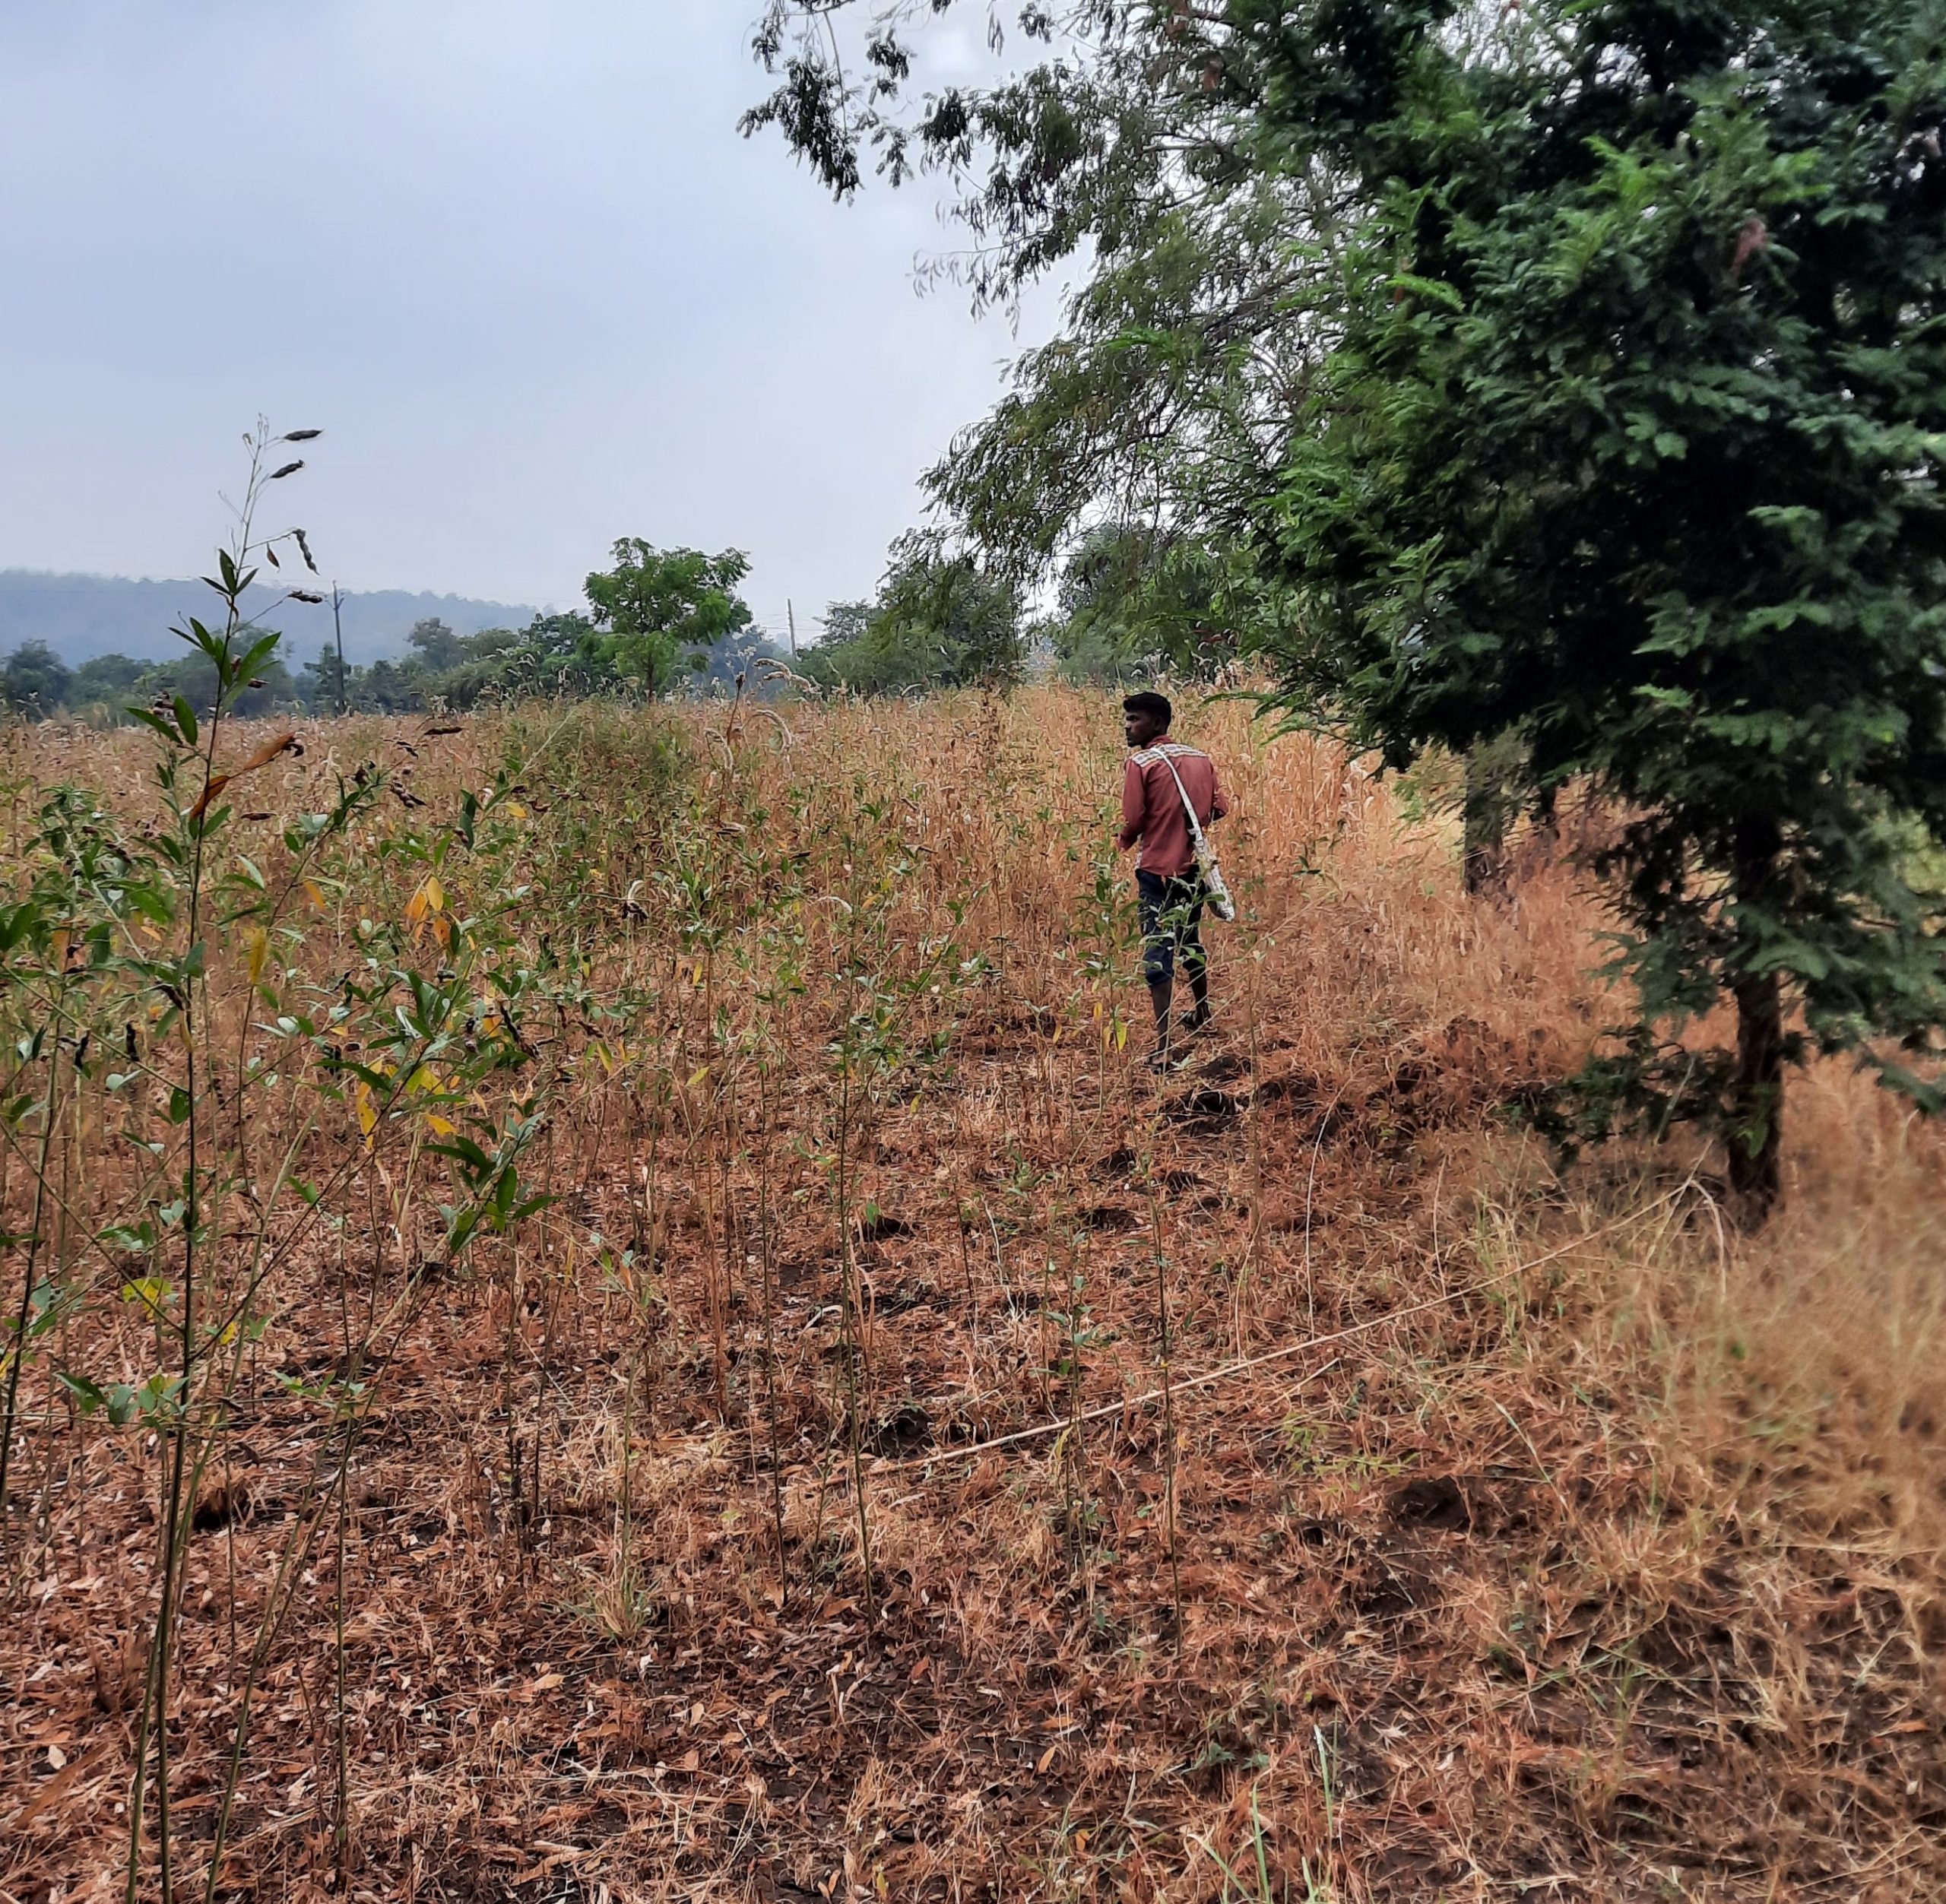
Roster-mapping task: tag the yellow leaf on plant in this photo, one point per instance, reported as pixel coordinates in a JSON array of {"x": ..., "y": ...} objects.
[
  {"x": 697, "y": 1076},
  {"x": 436, "y": 894},
  {"x": 314, "y": 893},
  {"x": 260, "y": 950},
  {"x": 440, "y": 1127},
  {"x": 368, "y": 1112},
  {"x": 516, "y": 809}
]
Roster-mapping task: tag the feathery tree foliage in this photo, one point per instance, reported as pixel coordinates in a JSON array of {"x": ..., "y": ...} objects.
[
  {"x": 938, "y": 620},
  {"x": 1135, "y": 604},
  {"x": 1161, "y": 404}
]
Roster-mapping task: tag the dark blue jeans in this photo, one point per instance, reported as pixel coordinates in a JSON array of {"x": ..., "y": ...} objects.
[{"x": 1172, "y": 910}]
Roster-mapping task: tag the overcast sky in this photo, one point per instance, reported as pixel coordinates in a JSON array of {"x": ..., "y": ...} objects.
[{"x": 512, "y": 255}]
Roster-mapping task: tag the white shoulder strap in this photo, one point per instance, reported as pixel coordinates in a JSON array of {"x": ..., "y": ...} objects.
[{"x": 1189, "y": 806}]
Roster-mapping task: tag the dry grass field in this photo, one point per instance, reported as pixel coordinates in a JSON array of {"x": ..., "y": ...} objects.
[{"x": 631, "y": 1327}]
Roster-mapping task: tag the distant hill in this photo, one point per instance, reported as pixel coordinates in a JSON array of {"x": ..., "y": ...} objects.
[{"x": 81, "y": 616}]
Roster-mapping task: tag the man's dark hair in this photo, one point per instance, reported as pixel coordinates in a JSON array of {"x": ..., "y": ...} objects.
[{"x": 1149, "y": 702}]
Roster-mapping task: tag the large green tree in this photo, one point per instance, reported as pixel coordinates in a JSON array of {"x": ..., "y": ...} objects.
[
  {"x": 1612, "y": 441},
  {"x": 435, "y": 645},
  {"x": 1135, "y": 601},
  {"x": 105, "y": 684},
  {"x": 1629, "y": 445},
  {"x": 939, "y": 620},
  {"x": 35, "y": 680},
  {"x": 657, "y": 606},
  {"x": 1161, "y": 401}
]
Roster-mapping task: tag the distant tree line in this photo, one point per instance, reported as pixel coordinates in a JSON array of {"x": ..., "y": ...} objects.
[
  {"x": 1130, "y": 604},
  {"x": 656, "y": 619}
]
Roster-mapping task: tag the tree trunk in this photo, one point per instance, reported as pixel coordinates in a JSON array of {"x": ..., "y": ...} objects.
[
  {"x": 1483, "y": 860},
  {"x": 1756, "y": 1100}
]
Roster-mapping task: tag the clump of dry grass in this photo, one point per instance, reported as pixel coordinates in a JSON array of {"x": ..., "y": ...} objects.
[{"x": 1502, "y": 1527}]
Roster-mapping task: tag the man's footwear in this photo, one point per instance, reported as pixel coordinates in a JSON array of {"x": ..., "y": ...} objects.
[
  {"x": 1162, "y": 1059},
  {"x": 1198, "y": 1021}
]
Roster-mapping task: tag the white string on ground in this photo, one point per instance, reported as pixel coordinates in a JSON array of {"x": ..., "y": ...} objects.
[{"x": 1224, "y": 1373}]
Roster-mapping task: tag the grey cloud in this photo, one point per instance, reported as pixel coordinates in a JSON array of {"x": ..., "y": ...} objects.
[{"x": 512, "y": 255}]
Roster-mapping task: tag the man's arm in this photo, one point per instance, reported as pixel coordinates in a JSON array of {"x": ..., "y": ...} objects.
[{"x": 1134, "y": 805}]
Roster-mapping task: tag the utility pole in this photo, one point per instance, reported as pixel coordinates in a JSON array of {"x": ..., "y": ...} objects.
[
  {"x": 791, "y": 615},
  {"x": 337, "y": 628}
]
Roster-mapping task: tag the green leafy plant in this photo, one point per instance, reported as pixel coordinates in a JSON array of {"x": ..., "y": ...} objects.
[
  {"x": 656, "y": 605},
  {"x": 1632, "y": 451}
]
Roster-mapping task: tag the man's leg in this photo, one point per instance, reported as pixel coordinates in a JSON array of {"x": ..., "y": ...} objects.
[
  {"x": 1161, "y": 993},
  {"x": 1158, "y": 964},
  {"x": 1195, "y": 961}
]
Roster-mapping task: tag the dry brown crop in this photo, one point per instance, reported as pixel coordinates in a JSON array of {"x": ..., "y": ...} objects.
[{"x": 713, "y": 1372}]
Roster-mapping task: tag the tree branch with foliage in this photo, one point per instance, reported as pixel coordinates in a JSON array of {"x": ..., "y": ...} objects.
[{"x": 1603, "y": 428}]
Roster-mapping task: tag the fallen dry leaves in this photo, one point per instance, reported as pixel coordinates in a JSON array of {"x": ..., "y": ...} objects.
[{"x": 1507, "y": 1559}]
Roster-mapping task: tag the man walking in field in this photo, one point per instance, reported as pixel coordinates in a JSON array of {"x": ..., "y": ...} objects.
[{"x": 1162, "y": 775}]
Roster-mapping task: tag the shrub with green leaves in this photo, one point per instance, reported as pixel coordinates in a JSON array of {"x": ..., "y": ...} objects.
[{"x": 1630, "y": 443}]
